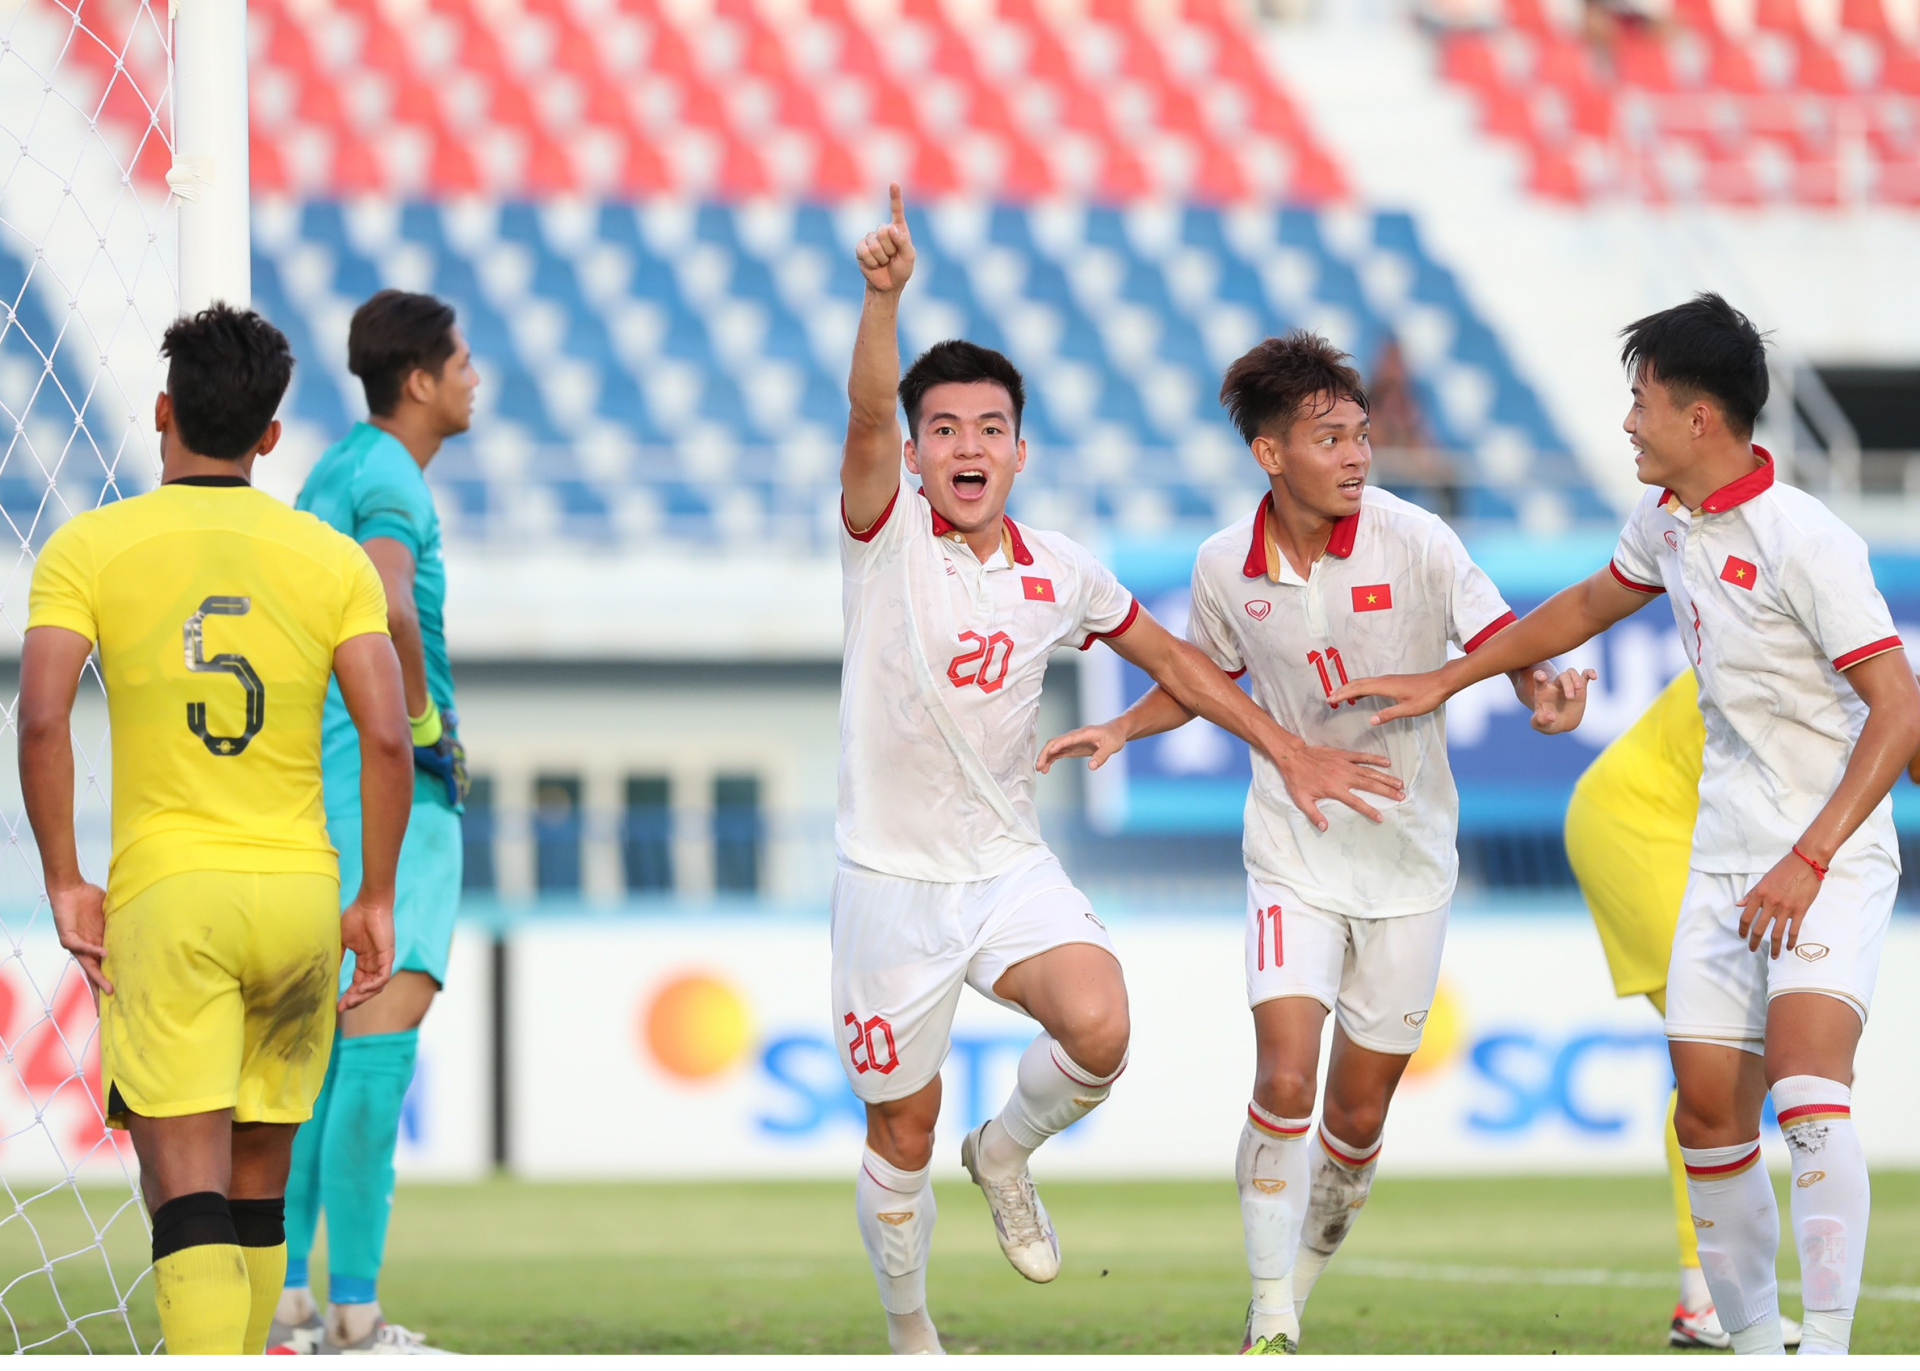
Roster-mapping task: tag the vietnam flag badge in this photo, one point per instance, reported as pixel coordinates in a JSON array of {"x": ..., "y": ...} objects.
[
  {"x": 1366, "y": 599},
  {"x": 1740, "y": 572},
  {"x": 1037, "y": 588}
]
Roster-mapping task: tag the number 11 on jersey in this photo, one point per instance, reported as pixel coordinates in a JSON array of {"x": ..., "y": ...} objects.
[{"x": 1330, "y": 658}]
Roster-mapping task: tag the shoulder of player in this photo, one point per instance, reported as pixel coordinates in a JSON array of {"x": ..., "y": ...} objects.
[
  {"x": 1046, "y": 545},
  {"x": 1789, "y": 525}
]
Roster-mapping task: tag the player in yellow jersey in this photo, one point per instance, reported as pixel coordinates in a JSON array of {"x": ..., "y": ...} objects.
[{"x": 219, "y": 614}]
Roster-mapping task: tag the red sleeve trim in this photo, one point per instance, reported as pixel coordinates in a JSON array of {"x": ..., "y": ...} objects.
[
  {"x": 1477, "y": 639},
  {"x": 1860, "y": 654},
  {"x": 1133, "y": 612},
  {"x": 1236, "y": 675},
  {"x": 1632, "y": 584},
  {"x": 878, "y": 524}
]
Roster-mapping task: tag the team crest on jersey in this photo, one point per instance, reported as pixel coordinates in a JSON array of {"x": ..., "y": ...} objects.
[
  {"x": 1673, "y": 539},
  {"x": 1259, "y": 609},
  {"x": 1811, "y": 952}
]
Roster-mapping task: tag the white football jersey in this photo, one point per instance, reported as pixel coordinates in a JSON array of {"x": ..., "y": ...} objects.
[
  {"x": 1393, "y": 590},
  {"x": 1774, "y": 600},
  {"x": 940, "y": 687}
]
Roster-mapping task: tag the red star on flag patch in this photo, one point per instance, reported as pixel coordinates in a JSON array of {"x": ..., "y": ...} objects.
[
  {"x": 1740, "y": 572},
  {"x": 1037, "y": 588},
  {"x": 1369, "y": 598}
]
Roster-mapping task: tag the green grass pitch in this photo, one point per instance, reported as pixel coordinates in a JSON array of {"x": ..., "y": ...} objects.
[{"x": 508, "y": 1266}]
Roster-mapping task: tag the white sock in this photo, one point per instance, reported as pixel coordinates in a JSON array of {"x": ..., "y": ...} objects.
[
  {"x": 1342, "y": 1176},
  {"x": 1694, "y": 1295},
  {"x": 296, "y": 1305},
  {"x": 1272, "y": 1171},
  {"x": 351, "y": 1322},
  {"x": 1824, "y": 1334},
  {"x": 1050, "y": 1092},
  {"x": 1738, "y": 1226},
  {"x": 896, "y": 1213},
  {"x": 1830, "y": 1199},
  {"x": 1760, "y": 1339}
]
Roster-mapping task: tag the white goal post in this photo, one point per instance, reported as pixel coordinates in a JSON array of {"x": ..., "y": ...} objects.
[{"x": 123, "y": 203}]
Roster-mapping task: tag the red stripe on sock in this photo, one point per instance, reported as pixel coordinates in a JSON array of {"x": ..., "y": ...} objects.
[
  {"x": 1290, "y": 1134},
  {"x": 1725, "y": 1168},
  {"x": 1078, "y": 1074},
  {"x": 1802, "y": 1112},
  {"x": 1345, "y": 1158},
  {"x": 882, "y": 1184}
]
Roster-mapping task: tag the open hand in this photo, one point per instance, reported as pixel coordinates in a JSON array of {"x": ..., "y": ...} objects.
[
  {"x": 1098, "y": 741},
  {"x": 366, "y": 930},
  {"x": 1409, "y": 695},
  {"x": 80, "y": 918},
  {"x": 1560, "y": 701},
  {"x": 1313, "y": 774},
  {"x": 1778, "y": 903},
  {"x": 886, "y": 254}
]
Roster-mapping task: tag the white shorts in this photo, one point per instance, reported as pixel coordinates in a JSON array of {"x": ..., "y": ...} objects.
[
  {"x": 902, "y": 949},
  {"x": 1376, "y": 975},
  {"x": 1717, "y": 989}
]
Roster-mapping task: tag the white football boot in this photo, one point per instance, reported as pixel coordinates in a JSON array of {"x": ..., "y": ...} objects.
[
  {"x": 1026, "y": 1233},
  {"x": 386, "y": 1339}
]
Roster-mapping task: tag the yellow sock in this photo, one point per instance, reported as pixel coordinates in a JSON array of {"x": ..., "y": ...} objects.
[
  {"x": 266, "y": 1274},
  {"x": 203, "y": 1296}
]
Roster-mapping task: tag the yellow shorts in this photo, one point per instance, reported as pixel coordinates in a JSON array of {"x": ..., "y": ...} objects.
[
  {"x": 1633, "y": 881},
  {"x": 224, "y": 989}
]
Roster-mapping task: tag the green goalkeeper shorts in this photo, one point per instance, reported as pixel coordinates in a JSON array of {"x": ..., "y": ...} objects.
[{"x": 426, "y": 891}]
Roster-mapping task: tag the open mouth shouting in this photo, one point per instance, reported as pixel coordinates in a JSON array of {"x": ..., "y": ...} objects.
[
  {"x": 1352, "y": 486},
  {"x": 969, "y": 483}
]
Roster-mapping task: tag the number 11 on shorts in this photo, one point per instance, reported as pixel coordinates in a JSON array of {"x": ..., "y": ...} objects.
[{"x": 1260, "y": 920}]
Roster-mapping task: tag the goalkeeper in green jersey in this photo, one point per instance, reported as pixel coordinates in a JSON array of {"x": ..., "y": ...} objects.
[{"x": 371, "y": 485}]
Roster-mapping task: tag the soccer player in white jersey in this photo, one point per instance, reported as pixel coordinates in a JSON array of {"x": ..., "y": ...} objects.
[
  {"x": 951, "y": 614},
  {"x": 1325, "y": 579},
  {"x": 1811, "y": 713}
]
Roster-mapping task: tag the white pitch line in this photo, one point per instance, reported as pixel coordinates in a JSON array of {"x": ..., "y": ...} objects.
[{"x": 1563, "y": 1275}]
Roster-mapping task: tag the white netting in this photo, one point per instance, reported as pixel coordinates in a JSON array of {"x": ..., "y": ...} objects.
[{"x": 86, "y": 290}]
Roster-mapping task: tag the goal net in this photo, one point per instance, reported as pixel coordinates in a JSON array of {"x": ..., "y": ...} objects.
[{"x": 87, "y": 287}]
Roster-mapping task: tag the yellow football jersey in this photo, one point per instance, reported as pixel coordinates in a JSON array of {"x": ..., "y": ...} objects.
[
  {"x": 1630, "y": 834},
  {"x": 216, "y": 610}
]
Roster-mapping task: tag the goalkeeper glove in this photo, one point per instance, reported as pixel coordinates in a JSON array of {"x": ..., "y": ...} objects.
[{"x": 440, "y": 754}]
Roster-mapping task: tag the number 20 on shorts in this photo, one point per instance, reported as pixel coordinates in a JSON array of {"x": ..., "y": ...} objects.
[
  {"x": 866, "y": 1038},
  {"x": 1261, "y": 918}
]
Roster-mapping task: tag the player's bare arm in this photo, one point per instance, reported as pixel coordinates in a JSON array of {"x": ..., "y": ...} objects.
[
  {"x": 1570, "y": 618},
  {"x": 51, "y": 660},
  {"x": 1774, "y": 909},
  {"x": 1196, "y": 686},
  {"x": 870, "y": 463},
  {"x": 369, "y": 673},
  {"x": 392, "y": 559}
]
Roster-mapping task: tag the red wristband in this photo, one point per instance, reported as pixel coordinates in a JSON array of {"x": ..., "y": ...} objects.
[{"x": 1818, "y": 870}]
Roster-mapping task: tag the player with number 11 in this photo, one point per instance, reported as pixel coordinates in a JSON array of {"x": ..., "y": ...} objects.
[{"x": 1345, "y": 911}]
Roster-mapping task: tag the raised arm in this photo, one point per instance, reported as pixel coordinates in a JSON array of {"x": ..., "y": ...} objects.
[
  {"x": 1192, "y": 684},
  {"x": 1888, "y": 741},
  {"x": 370, "y": 683},
  {"x": 870, "y": 463},
  {"x": 1561, "y": 624},
  {"x": 51, "y": 660}
]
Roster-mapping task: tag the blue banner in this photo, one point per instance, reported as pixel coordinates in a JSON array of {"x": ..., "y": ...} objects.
[{"x": 1511, "y": 779}]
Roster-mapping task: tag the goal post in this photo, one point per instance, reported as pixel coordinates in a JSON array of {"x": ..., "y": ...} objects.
[
  {"x": 209, "y": 175},
  {"x": 124, "y": 202}
]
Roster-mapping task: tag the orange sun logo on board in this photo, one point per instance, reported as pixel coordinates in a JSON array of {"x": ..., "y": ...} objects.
[
  {"x": 695, "y": 1026},
  {"x": 1440, "y": 1041}
]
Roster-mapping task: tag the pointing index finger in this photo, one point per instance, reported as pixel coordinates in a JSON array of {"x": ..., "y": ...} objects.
[{"x": 899, "y": 204}]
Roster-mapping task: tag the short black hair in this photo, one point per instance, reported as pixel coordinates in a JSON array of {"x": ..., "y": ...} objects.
[
  {"x": 1265, "y": 390},
  {"x": 227, "y": 371},
  {"x": 1704, "y": 347},
  {"x": 395, "y": 333},
  {"x": 958, "y": 361}
]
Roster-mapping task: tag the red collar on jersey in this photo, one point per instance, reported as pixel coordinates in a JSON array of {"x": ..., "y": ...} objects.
[
  {"x": 1015, "y": 543},
  {"x": 1737, "y": 492},
  {"x": 1339, "y": 545}
]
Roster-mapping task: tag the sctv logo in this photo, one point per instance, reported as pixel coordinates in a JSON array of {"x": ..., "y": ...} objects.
[{"x": 699, "y": 1028}]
